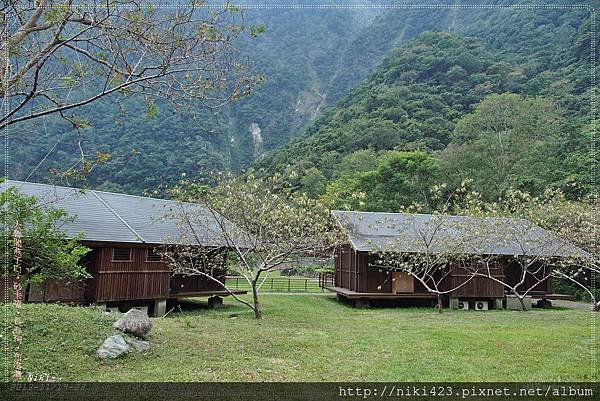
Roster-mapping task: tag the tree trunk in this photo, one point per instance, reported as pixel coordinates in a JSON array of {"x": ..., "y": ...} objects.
[
  {"x": 523, "y": 307},
  {"x": 257, "y": 310},
  {"x": 439, "y": 303}
]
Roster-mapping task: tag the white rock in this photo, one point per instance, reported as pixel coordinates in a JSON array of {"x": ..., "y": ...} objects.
[
  {"x": 137, "y": 344},
  {"x": 113, "y": 347}
]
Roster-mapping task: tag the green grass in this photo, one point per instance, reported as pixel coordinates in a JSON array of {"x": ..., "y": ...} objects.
[
  {"x": 275, "y": 282},
  {"x": 314, "y": 338}
]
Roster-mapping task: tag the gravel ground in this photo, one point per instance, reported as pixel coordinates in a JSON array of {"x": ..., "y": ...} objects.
[{"x": 571, "y": 304}]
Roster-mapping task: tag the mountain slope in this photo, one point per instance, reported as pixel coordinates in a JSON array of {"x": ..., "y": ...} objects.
[
  {"x": 310, "y": 58},
  {"x": 422, "y": 89}
]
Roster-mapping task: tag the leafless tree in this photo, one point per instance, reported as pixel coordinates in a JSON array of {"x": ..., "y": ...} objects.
[{"x": 260, "y": 221}]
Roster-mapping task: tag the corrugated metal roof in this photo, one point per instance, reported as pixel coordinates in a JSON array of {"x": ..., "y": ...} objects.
[
  {"x": 414, "y": 233},
  {"x": 112, "y": 217}
]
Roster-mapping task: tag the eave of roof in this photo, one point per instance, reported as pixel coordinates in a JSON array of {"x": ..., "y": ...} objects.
[
  {"x": 118, "y": 218},
  {"x": 396, "y": 235}
]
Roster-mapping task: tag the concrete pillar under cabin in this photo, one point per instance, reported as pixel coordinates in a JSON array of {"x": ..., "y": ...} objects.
[
  {"x": 160, "y": 307},
  {"x": 513, "y": 303},
  {"x": 543, "y": 303},
  {"x": 497, "y": 302},
  {"x": 215, "y": 302},
  {"x": 362, "y": 303},
  {"x": 453, "y": 303}
]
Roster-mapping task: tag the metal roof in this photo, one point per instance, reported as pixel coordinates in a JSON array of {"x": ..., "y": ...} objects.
[
  {"x": 418, "y": 233},
  {"x": 112, "y": 217}
]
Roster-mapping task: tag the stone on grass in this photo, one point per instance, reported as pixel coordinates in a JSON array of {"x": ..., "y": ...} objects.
[
  {"x": 137, "y": 344},
  {"x": 113, "y": 347},
  {"x": 135, "y": 322}
]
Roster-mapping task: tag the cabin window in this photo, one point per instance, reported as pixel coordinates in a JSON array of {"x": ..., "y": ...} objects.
[
  {"x": 153, "y": 256},
  {"x": 122, "y": 254}
]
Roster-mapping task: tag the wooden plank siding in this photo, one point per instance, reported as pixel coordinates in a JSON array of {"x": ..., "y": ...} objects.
[
  {"x": 128, "y": 280},
  {"x": 58, "y": 291},
  {"x": 142, "y": 279},
  {"x": 353, "y": 273},
  {"x": 133, "y": 280},
  {"x": 190, "y": 284},
  {"x": 477, "y": 287}
]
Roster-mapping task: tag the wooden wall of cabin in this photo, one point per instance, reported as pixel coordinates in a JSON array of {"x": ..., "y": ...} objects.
[
  {"x": 181, "y": 284},
  {"x": 63, "y": 291},
  {"x": 49, "y": 291},
  {"x": 353, "y": 271},
  {"x": 127, "y": 280},
  {"x": 382, "y": 281},
  {"x": 350, "y": 268},
  {"x": 476, "y": 287},
  {"x": 72, "y": 292}
]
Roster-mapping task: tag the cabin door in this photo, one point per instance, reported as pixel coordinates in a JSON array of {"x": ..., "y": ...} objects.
[{"x": 402, "y": 283}]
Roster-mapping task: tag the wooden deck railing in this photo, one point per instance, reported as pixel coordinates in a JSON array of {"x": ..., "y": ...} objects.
[{"x": 279, "y": 284}]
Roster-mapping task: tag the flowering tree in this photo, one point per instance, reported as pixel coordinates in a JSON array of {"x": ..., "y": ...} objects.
[
  {"x": 543, "y": 254},
  {"x": 259, "y": 221},
  {"x": 433, "y": 248}
]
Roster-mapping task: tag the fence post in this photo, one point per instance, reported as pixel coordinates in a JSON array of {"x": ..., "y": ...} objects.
[
  {"x": 305, "y": 285},
  {"x": 289, "y": 282}
]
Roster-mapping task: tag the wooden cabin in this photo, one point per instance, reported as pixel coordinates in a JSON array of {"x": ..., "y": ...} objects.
[
  {"x": 124, "y": 233},
  {"x": 362, "y": 277}
]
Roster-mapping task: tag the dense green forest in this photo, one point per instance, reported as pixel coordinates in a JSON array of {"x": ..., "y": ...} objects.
[
  {"x": 382, "y": 102},
  {"x": 503, "y": 102},
  {"x": 297, "y": 56}
]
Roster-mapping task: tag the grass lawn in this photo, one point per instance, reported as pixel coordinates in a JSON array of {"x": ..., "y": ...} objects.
[
  {"x": 275, "y": 282},
  {"x": 315, "y": 338}
]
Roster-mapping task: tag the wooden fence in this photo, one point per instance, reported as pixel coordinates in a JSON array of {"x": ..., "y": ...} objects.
[
  {"x": 326, "y": 279},
  {"x": 278, "y": 284}
]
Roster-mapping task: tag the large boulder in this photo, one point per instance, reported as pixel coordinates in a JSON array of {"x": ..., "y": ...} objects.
[
  {"x": 113, "y": 347},
  {"x": 135, "y": 322},
  {"x": 137, "y": 344}
]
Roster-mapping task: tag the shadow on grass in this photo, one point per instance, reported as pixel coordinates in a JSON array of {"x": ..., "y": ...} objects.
[{"x": 176, "y": 308}]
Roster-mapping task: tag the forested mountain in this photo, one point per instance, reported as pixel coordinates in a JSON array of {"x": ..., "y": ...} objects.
[
  {"x": 297, "y": 56},
  {"x": 501, "y": 97},
  {"x": 425, "y": 69}
]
